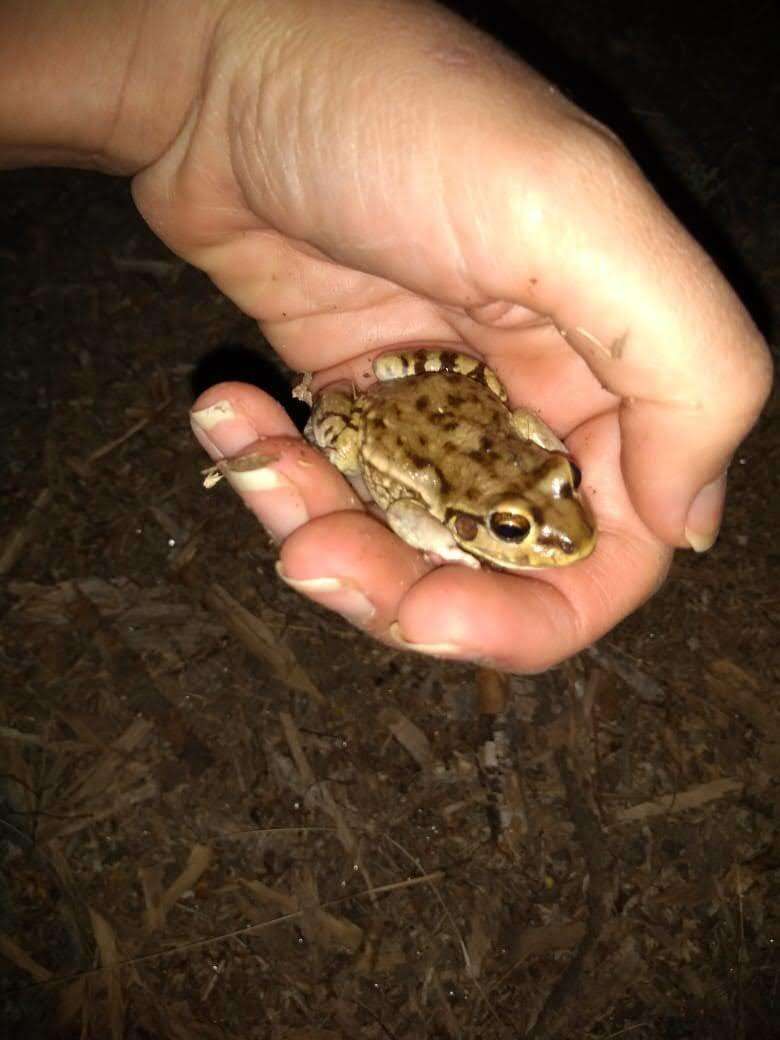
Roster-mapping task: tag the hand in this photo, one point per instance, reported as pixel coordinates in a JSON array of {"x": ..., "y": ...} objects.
[{"x": 358, "y": 175}]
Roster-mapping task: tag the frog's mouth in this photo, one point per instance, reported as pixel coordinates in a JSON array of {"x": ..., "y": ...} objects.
[{"x": 554, "y": 561}]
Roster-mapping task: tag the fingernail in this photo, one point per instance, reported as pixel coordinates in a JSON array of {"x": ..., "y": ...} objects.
[
  {"x": 435, "y": 649},
  {"x": 703, "y": 521},
  {"x": 207, "y": 418},
  {"x": 334, "y": 593},
  {"x": 221, "y": 430},
  {"x": 225, "y": 434}
]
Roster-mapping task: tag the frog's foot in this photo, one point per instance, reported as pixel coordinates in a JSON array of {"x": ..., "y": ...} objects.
[
  {"x": 415, "y": 525},
  {"x": 531, "y": 428},
  {"x": 398, "y": 364}
]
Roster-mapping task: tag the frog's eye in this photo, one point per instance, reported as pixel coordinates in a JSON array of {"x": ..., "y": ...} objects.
[
  {"x": 466, "y": 527},
  {"x": 510, "y": 527},
  {"x": 576, "y": 475}
]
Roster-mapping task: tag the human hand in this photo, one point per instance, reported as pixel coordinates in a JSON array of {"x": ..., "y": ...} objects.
[{"x": 358, "y": 176}]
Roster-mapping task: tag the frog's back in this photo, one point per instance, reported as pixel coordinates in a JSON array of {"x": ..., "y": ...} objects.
[{"x": 441, "y": 438}]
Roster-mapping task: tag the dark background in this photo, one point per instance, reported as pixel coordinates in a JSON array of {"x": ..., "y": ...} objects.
[{"x": 145, "y": 636}]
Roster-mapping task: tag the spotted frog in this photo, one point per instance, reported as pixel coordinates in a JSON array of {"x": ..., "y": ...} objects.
[{"x": 453, "y": 470}]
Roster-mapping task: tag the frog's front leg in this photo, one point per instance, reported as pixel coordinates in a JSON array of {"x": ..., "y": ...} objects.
[
  {"x": 531, "y": 428},
  {"x": 333, "y": 428},
  {"x": 412, "y": 522}
]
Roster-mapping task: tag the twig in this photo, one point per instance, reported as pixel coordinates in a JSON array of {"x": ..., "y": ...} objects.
[
  {"x": 19, "y": 538},
  {"x": 141, "y": 424},
  {"x": 648, "y": 689},
  {"x": 594, "y": 847},
  {"x": 254, "y": 929},
  {"x": 679, "y": 801}
]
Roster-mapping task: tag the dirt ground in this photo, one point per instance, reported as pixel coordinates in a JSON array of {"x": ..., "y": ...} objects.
[{"x": 224, "y": 813}]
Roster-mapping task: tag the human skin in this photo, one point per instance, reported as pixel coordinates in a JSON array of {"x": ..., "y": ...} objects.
[{"x": 359, "y": 175}]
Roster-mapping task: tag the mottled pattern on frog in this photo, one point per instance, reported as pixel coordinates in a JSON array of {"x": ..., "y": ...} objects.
[{"x": 454, "y": 470}]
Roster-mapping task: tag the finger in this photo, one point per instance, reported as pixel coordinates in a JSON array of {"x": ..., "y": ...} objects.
[
  {"x": 292, "y": 482},
  {"x": 333, "y": 552},
  {"x": 528, "y": 624},
  {"x": 352, "y": 564}
]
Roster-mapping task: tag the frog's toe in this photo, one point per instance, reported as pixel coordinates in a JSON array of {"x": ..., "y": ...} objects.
[
  {"x": 453, "y": 555},
  {"x": 530, "y": 427}
]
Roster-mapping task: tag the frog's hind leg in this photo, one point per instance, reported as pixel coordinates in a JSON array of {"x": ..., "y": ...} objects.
[
  {"x": 401, "y": 363},
  {"x": 531, "y": 428},
  {"x": 412, "y": 522},
  {"x": 333, "y": 427}
]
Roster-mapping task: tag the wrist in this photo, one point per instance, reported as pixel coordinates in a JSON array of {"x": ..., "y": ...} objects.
[{"x": 99, "y": 85}]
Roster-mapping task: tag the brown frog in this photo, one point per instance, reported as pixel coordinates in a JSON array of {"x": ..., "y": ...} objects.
[{"x": 455, "y": 472}]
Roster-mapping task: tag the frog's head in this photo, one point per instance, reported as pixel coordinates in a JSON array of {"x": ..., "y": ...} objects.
[{"x": 545, "y": 524}]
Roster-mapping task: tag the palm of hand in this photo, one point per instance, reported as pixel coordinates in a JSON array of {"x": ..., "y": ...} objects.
[
  {"x": 522, "y": 622},
  {"x": 474, "y": 236}
]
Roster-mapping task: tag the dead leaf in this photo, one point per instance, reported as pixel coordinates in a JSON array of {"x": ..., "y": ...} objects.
[
  {"x": 262, "y": 642},
  {"x": 409, "y": 736},
  {"x": 739, "y": 691},
  {"x": 197, "y": 864},
  {"x": 318, "y": 794},
  {"x": 550, "y": 938},
  {"x": 105, "y": 938},
  {"x": 151, "y": 885},
  {"x": 18, "y": 539},
  {"x": 690, "y": 799},
  {"x": 14, "y": 953}
]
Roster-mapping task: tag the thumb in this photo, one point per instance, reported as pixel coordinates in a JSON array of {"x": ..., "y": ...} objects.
[{"x": 659, "y": 327}]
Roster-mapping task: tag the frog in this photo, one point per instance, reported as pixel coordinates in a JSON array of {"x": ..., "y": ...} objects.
[{"x": 435, "y": 449}]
